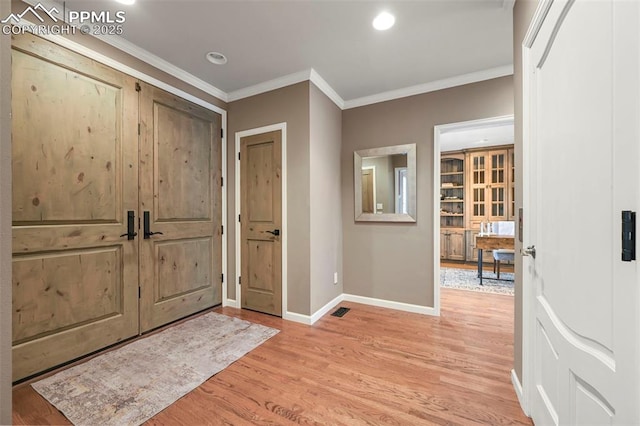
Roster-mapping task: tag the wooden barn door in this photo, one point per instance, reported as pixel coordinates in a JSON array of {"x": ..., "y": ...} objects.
[
  {"x": 181, "y": 194},
  {"x": 75, "y": 177}
]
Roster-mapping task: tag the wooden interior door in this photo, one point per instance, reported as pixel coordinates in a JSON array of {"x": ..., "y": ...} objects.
[
  {"x": 181, "y": 191},
  {"x": 367, "y": 191},
  {"x": 261, "y": 222},
  {"x": 75, "y": 176},
  {"x": 583, "y": 79}
]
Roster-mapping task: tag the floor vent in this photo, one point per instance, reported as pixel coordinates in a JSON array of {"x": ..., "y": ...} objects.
[{"x": 340, "y": 312}]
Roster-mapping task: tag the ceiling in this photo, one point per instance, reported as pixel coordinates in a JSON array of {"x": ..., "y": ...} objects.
[
  {"x": 496, "y": 133},
  {"x": 432, "y": 40}
]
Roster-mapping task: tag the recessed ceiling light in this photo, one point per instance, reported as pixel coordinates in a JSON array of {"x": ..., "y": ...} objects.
[
  {"x": 127, "y": 2},
  {"x": 216, "y": 58},
  {"x": 384, "y": 21}
]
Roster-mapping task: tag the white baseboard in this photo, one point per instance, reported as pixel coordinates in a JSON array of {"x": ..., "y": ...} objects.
[
  {"x": 311, "y": 319},
  {"x": 326, "y": 308},
  {"x": 230, "y": 303},
  {"x": 400, "y": 306},
  {"x": 300, "y": 318},
  {"x": 517, "y": 386}
]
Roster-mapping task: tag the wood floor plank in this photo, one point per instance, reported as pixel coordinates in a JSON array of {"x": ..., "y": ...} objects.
[{"x": 374, "y": 366}]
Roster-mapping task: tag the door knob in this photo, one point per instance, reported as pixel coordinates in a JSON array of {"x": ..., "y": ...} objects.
[
  {"x": 275, "y": 232},
  {"x": 529, "y": 251}
]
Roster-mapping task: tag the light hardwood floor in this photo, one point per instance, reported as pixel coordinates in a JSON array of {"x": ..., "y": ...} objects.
[{"x": 373, "y": 366}]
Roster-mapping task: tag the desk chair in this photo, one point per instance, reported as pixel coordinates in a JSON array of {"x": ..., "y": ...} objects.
[{"x": 503, "y": 255}]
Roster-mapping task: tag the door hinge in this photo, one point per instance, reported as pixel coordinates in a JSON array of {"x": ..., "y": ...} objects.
[
  {"x": 221, "y": 181},
  {"x": 238, "y": 218},
  {"x": 222, "y": 230},
  {"x": 139, "y": 293},
  {"x": 239, "y": 280},
  {"x": 221, "y": 277},
  {"x": 138, "y": 87},
  {"x": 238, "y": 156},
  {"x": 138, "y": 129},
  {"x": 222, "y": 133}
]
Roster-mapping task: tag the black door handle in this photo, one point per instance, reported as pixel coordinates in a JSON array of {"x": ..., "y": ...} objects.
[
  {"x": 275, "y": 232},
  {"x": 147, "y": 232},
  {"x": 131, "y": 226}
]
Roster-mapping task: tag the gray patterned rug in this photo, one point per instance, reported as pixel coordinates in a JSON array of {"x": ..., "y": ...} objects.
[
  {"x": 131, "y": 384},
  {"x": 467, "y": 279}
]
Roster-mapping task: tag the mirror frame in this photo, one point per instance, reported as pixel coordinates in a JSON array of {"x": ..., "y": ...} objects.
[{"x": 410, "y": 150}]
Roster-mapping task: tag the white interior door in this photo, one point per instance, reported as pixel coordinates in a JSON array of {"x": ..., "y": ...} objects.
[{"x": 581, "y": 151}]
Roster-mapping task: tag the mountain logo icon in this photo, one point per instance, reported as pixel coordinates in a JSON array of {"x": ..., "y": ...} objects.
[{"x": 51, "y": 13}]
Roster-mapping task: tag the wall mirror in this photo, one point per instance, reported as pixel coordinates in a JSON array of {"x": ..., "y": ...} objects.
[{"x": 385, "y": 184}]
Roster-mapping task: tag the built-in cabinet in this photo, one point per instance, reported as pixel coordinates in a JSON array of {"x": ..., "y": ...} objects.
[
  {"x": 452, "y": 244},
  {"x": 452, "y": 206},
  {"x": 452, "y": 191},
  {"x": 475, "y": 186}
]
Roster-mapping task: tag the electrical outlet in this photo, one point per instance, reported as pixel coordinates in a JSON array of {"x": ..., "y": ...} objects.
[{"x": 335, "y": 278}]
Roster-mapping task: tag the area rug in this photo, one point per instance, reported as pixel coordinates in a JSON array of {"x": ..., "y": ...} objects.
[
  {"x": 467, "y": 279},
  {"x": 129, "y": 385}
]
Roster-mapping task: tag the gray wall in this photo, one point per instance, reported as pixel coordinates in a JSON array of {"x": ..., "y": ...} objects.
[
  {"x": 291, "y": 105},
  {"x": 326, "y": 198},
  {"x": 5, "y": 222},
  {"x": 522, "y": 13},
  {"x": 395, "y": 261}
]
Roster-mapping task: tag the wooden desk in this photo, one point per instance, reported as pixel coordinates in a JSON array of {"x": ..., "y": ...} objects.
[{"x": 492, "y": 242}]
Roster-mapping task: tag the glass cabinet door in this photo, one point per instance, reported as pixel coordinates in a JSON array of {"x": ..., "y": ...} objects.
[
  {"x": 488, "y": 186},
  {"x": 498, "y": 185},
  {"x": 478, "y": 186}
]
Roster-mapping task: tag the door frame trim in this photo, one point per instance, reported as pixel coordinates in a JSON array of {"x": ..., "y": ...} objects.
[
  {"x": 282, "y": 127},
  {"x": 528, "y": 293},
  {"x": 437, "y": 134}
]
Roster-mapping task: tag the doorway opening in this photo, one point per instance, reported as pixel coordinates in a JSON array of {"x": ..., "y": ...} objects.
[{"x": 474, "y": 199}]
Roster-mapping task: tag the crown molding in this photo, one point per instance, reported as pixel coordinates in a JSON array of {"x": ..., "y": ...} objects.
[
  {"x": 503, "y": 120},
  {"x": 446, "y": 83},
  {"x": 305, "y": 75},
  {"x": 159, "y": 63},
  {"x": 267, "y": 86},
  {"x": 325, "y": 88}
]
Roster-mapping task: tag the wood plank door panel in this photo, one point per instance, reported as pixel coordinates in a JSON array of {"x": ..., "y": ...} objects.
[
  {"x": 181, "y": 188},
  {"x": 261, "y": 217},
  {"x": 75, "y": 176}
]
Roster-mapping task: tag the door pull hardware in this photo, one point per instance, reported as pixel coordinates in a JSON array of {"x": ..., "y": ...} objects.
[
  {"x": 628, "y": 236},
  {"x": 275, "y": 232},
  {"x": 529, "y": 251},
  {"x": 131, "y": 224},
  {"x": 147, "y": 231}
]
